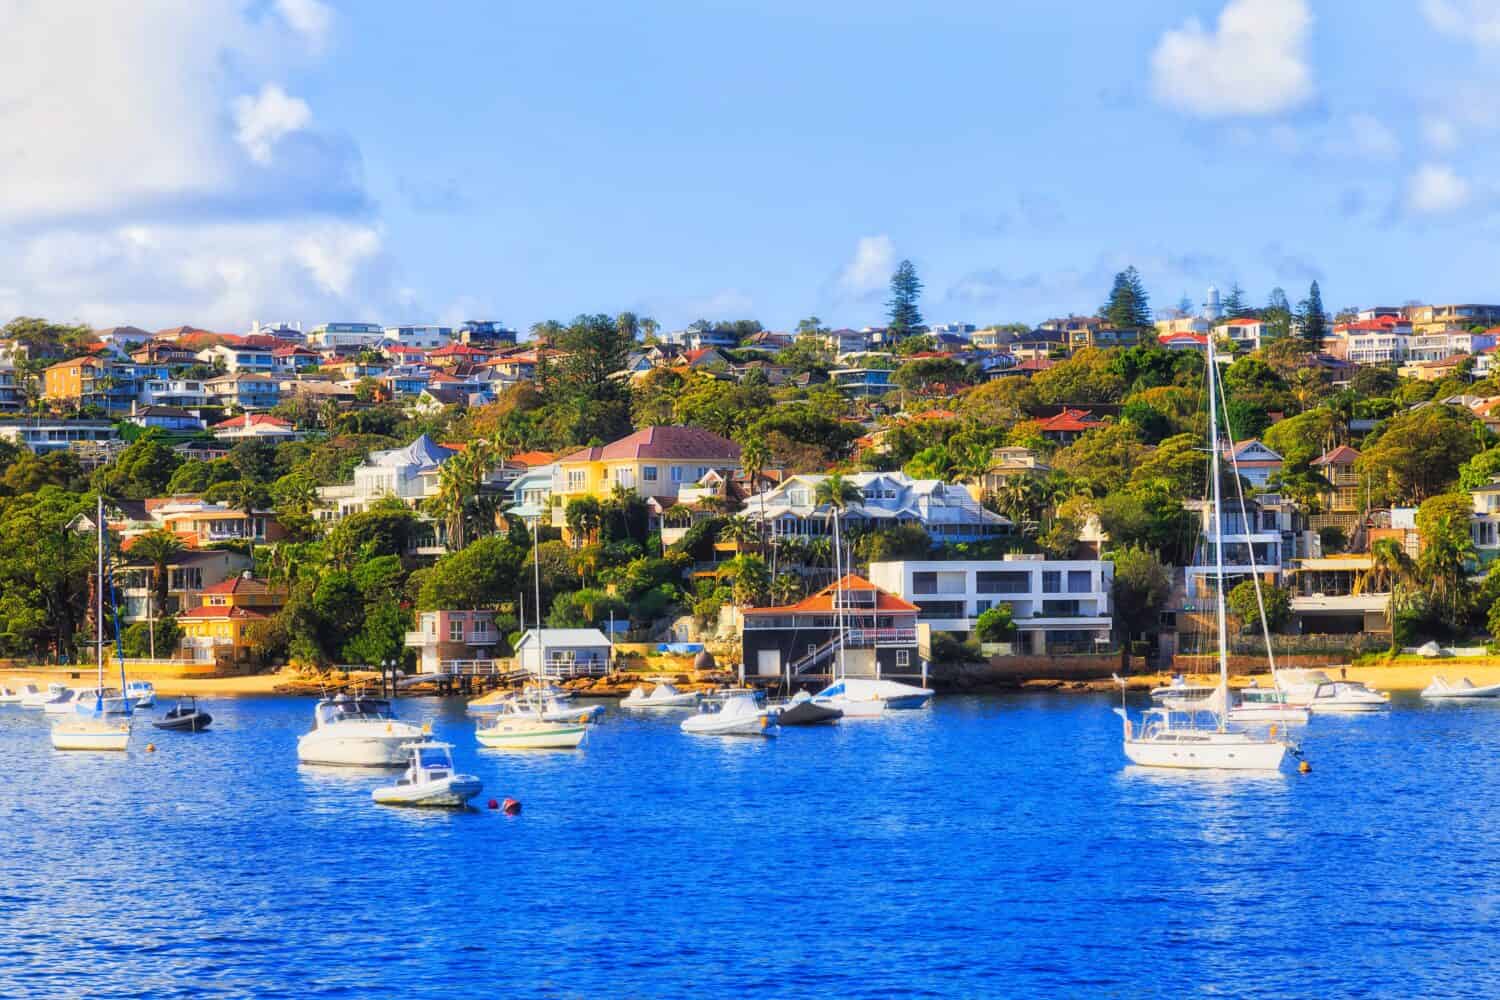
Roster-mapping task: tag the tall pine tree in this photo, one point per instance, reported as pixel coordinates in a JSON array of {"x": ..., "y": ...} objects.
[
  {"x": 1128, "y": 307},
  {"x": 1235, "y": 305},
  {"x": 1314, "y": 320},
  {"x": 906, "y": 289}
]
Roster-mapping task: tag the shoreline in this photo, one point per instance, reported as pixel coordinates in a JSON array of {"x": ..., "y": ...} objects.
[{"x": 1398, "y": 677}]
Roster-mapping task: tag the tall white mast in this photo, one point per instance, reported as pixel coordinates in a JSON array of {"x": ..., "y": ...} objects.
[
  {"x": 99, "y": 595},
  {"x": 541, "y": 647},
  {"x": 1213, "y": 452}
]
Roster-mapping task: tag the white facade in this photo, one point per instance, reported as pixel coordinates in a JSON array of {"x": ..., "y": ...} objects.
[
  {"x": 1054, "y": 603},
  {"x": 947, "y": 511},
  {"x": 410, "y": 473},
  {"x": 564, "y": 652},
  {"x": 1442, "y": 346},
  {"x": 1377, "y": 348},
  {"x": 237, "y": 358},
  {"x": 1247, "y": 334},
  {"x": 419, "y": 336},
  {"x": 1274, "y": 532},
  {"x": 173, "y": 392},
  {"x": 328, "y": 336},
  {"x": 43, "y": 436}
]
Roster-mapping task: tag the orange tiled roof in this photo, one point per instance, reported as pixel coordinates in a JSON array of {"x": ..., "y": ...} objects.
[{"x": 822, "y": 601}]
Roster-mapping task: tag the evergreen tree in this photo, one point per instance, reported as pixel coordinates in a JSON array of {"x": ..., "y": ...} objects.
[
  {"x": 1314, "y": 320},
  {"x": 1235, "y": 304},
  {"x": 1185, "y": 305},
  {"x": 1128, "y": 307},
  {"x": 906, "y": 289},
  {"x": 1278, "y": 314}
]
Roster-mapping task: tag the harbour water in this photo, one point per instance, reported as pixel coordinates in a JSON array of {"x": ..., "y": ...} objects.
[{"x": 991, "y": 846}]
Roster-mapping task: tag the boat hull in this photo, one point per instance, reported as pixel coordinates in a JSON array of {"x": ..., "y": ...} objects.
[
  {"x": 675, "y": 701},
  {"x": 194, "y": 723},
  {"x": 1252, "y": 715},
  {"x": 530, "y": 735},
  {"x": 763, "y": 727},
  {"x": 449, "y": 793},
  {"x": 356, "y": 751},
  {"x": 1208, "y": 753},
  {"x": 86, "y": 735},
  {"x": 1349, "y": 708},
  {"x": 808, "y": 713}
]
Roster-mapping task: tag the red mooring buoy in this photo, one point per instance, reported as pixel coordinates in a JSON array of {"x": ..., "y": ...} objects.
[
  {"x": 512, "y": 807},
  {"x": 493, "y": 804}
]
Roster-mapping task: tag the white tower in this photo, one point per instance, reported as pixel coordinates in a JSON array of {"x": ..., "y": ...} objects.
[{"x": 1211, "y": 308}]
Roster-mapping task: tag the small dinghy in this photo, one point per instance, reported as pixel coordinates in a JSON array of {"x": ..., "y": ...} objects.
[
  {"x": 661, "y": 696},
  {"x": 801, "y": 710},
  {"x": 429, "y": 780},
  {"x": 9, "y": 697},
  {"x": 185, "y": 717},
  {"x": 739, "y": 715},
  {"x": 1441, "y": 690}
]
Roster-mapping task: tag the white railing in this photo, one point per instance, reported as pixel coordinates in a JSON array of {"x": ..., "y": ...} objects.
[{"x": 881, "y": 636}]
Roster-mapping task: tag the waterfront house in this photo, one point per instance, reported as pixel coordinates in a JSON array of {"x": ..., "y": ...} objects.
[
  {"x": 654, "y": 462},
  {"x": 255, "y": 427},
  {"x": 1327, "y": 598},
  {"x": 445, "y": 638},
  {"x": 879, "y": 639},
  {"x": 222, "y": 629},
  {"x": 1343, "y": 498},
  {"x": 948, "y": 512},
  {"x": 1272, "y": 530},
  {"x": 564, "y": 652},
  {"x": 1057, "y": 605},
  {"x": 189, "y": 573}
]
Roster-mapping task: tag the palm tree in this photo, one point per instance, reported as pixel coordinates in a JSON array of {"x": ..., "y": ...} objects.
[
  {"x": 1443, "y": 565},
  {"x": 786, "y": 588},
  {"x": 754, "y": 454},
  {"x": 296, "y": 493},
  {"x": 740, "y": 530},
  {"x": 583, "y": 516},
  {"x": 159, "y": 548},
  {"x": 328, "y": 415},
  {"x": 1393, "y": 571},
  {"x": 460, "y": 480}
]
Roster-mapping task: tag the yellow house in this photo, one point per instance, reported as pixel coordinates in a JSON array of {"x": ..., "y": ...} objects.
[
  {"x": 654, "y": 462},
  {"x": 220, "y": 630}
]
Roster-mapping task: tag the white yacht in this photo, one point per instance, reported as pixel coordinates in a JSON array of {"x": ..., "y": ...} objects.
[
  {"x": 1319, "y": 693},
  {"x": 861, "y": 697},
  {"x": 1175, "y": 739},
  {"x": 357, "y": 732},
  {"x": 430, "y": 780},
  {"x": 1246, "y": 705},
  {"x": 528, "y": 731},
  {"x": 661, "y": 696},
  {"x": 737, "y": 715}
]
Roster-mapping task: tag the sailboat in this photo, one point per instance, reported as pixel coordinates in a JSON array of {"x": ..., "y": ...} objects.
[
  {"x": 1169, "y": 737},
  {"x": 96, "y": 726},
  {"x": 527, "y": 726}
]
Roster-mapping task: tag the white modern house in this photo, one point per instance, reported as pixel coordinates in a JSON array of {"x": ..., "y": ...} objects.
[
  {"x": 1272, "y": 530},
  {"x": 419, "y": 336},
  {"x": 186, "y": 393},
  {"x": 332, "y": 336},
  {"x": 410, "y": 473},
  {"x": 255, "y": 359},
  {"x": 564, "y": 652},
  {"x": 948, "y": 512},
  {"x": 1057, "y": 605}
]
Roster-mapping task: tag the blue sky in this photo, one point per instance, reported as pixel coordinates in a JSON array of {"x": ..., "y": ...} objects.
[{"x": 220, "y": 161}]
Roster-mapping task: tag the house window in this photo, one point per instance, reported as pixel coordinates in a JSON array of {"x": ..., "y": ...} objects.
[
  {"x": 481, "y": 626},
  {"x": 1051, "y": 582},
  {"x": 1079, "y": 582},
  {"x": 903, "y": 657},
  {"x": 648, "y": 473},
  {"x": 991, "y": 582},
  {"x": 576, "y": 480},
  {"x": 676, "y": 473},
  {"x": 455, "y": 630}
]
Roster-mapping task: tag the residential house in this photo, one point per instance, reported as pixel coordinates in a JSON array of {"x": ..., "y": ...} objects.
[
  {"x": 1246, "y": 333},
  {"x": 1174, "y": 325},
  {"x": 409, "y": 473},
  {"x": 1057, "y": 605},
  {"x": 1432, "y": 371},
  {"x": 336, "y": 336},
  {"x": 531, "y": 494},
  {"x": 1435, "y": 319},
  {"x": 699, "y": 340},
  {"x": 44, "y": 436},
  {"x": 255, "y": 358},
  {"x": 769, "y": 340},
  {"x": 444, "y": 639},
  {"x": 1183, "y": 341},
  {"x": 163, "y": 352},
  {"x": 564, "y": 652},
  {"x": 428, "y": 336},
  {"x": 173, "y": 419},
  {"x": 243, "y": 390},
  {"x": 517, "y": 365},
  {"x": 255, "y": 427},
  {"x": 654, "y": 462},
  {"x": 10, "y": 391},
  {"x": 862, "y": 381},
  {"x": 1101, "y": 336},
  {"x": 948, "y": 512},
  {"x": 485, "y": 333},
  {"x": 456, "y": 354},
  {"x": 123, "y": 337},
  {"x": 879, "y": 636},
  {"x": 90, "y": 381},
  {"x": 1327, "y": 598},
  {"x": 1068, "y": 426},
  {"x": 222, "y": 629},
  {"x": 189, "y": 573},
  {"x": 842, "y": 342},
  {"x": 198, "y": 522},
  {"x": 1447, "y": 344},
  {"x": 1011, "y": 463},
  {"x": 293, "y": 358},
  {"x": 1344, "y": 499},
  {"x": 1484, "y": 524},
  {"x": 1253, "y": 461},
  {"x": 1270, "y": 535},
  {"x": 186, "y": 393},
  {"x": 704, "y": 357}
]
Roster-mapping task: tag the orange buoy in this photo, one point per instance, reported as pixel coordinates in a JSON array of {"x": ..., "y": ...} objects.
[
  {"x": 151, "y": 748},
  {"x": 512, "y": 807},
  {"x": 1304, "y": 767}
]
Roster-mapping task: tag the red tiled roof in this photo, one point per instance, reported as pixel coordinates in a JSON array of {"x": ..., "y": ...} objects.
[
  {"x": 1342, "y": 455},
  {"x": 1071, "y": 420},
  {"x": 239, "y": 585},
  {"x": 822, "y": 601},
  {"x": 252, "y": 420},
  {"x": 207, "y": 611},
  {"x": 1197, "y": 338},
  {"x": 1243, "y": 321},
  {"x": 663, "y": 442},
  {"x": 457, "y": 351},
  {"x": 531, "y": 458},
  {"x": 291, "y": 349}
]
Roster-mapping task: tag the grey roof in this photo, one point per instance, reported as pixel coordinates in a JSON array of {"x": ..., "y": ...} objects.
[{"x": 424, "y": 453}]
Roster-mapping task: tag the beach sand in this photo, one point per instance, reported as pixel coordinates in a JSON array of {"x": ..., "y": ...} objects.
[{"x": 248, "y": 685}]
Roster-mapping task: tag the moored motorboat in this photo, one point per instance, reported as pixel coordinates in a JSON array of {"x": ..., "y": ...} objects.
[
  {"x": 551, "y": 711},
  {"x": 862, "y": 697},
  {"x": 1442, "y": 690},
  {"x": 102, "y": 701},
  {"x": 62, "y": 703},
  {"x": 185, "y": 717},
  {"x": 1346, "y": 698},
  {"x": 33, "y": 697},
  {"x": 661, "y": 696},
  {"x": 528, "y": 732},
  {"x": 356, "y": 732},
  {"x": 737, "y": 715},
  {"x": 9, "y": 697},
  {"x": 429, "y": 780},
  {"x": 1257, "y": 704},
  {"x": 143, "y": 693},
  {"x": 801, "y": 710}
]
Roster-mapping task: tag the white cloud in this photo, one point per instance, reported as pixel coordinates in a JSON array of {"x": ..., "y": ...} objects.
[
  {"x": 1476, "y": 21},
  {"x": 309, "y": 18},
  {"x": 1436, "y": 190},
  {"x": 870, "y": 269},
  {"x": 263, "y": 120},
  {"x": 1373, "y": 137},
  {"x": 1253, "y": 63}
]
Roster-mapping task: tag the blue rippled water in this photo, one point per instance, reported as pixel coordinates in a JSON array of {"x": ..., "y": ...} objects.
[{"x": 986, "y": 847}]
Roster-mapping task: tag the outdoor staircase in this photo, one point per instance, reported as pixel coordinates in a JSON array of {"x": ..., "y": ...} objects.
[{"x": 816, "y": 657}]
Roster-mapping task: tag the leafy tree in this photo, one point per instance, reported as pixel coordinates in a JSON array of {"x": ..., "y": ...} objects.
[
  {"x": 904, "y": 316},
  {"x": 487, "y": 573},
  {"x": 902, "y": 541},
  {"x": 1128, "y": 307},
  {"x": 1089, "y": 376},
  {"x": 1368, "y": 382},
  {"x": 1302, "y": 438},
  {"x": 1417, "y": 454},
  {"x": 1148, "y": 517},
  {"x": 1102, "y": 460},
  {"x": 586, "y": 401},
  {"x": 996, "y": 624},
  {"x": 1479, "y": 470},
  {"x": 585, "y": 608},
  {"x": 925, "y": 374},
  {"x": 1314, "y": 320},
  {"x": 1244, "y": 605},
  {"x": 158, "y": 548},
  {"x": 142, "y": 470},
  {"x": 1446, "y": 553},
  {"x": 1141, "y": 588}
]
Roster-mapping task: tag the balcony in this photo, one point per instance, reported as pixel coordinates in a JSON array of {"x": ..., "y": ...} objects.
[{"x": 866, "y": 637}]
